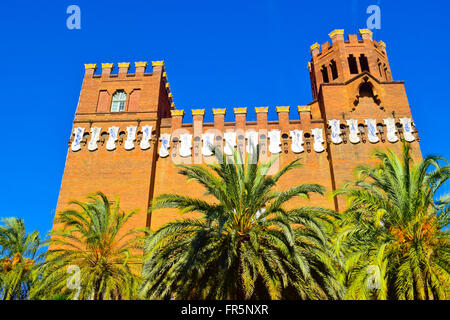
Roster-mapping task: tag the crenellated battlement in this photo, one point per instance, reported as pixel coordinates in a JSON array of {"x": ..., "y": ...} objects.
[
  {"x": 336, "y": 36},
  {"x": 342, "y": 60},
  {"x": 123, "y": 68},
  {"x": 107, "y": 83}
]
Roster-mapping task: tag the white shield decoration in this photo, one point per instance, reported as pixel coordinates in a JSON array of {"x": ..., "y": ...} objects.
[
  {"x": 111, "y": 143},
  {"x": 146, "y": 136},
  {"x": 407, "y": 129},
  {"x": 78, "y": 136},
  {"x": 252, "y": 141},
  {"x": 230, "y": 142},
  {"x": 318, "y": 139},
  {"x": 275, "y": 141},
  {"x": 165, "y": 144},
  {"x": 131, "y": 137},
  {"x": 186, "y": 145},
  {"x": 335, "y": 131},
  {"x": 353, "y": 131},
  {"x": 372, "y": 130},
  {"x": 95, "y": 136},
  {"x": 391, "y": 130},
  {"x": 297, "y": 141},
  {"x": 208, "y": 140}
]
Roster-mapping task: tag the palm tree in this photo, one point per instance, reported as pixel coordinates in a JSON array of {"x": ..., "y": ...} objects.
[
  {"x": 245, "y": 244},
  {"x": 91, "y": 256},
  {"x": 394, "y": 233},
  {"x": 19, "y": 254}
]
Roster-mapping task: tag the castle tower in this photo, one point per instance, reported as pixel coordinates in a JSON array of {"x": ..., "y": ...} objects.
[
  {"x": 353, "y": 87},
  {"x": 114, "y": 137}
]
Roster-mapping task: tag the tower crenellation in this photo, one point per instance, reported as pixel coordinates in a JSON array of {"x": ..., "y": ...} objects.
[{"x": 345, "y": 59}]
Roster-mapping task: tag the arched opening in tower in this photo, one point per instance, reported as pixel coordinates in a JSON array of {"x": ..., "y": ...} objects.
[
  {"x": 366, "y": 91},
  {"x": 366, "y": 94}
]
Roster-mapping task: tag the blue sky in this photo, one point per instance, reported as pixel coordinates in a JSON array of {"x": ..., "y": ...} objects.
[{"x": 217, "y": 53}]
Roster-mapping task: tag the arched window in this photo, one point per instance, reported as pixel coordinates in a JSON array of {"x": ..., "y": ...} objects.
[
  {"x": 352, "y": 64},
  {"x": 325, "y": 74},
  {"x": 118, "y": 101},
  {"x": 366, "y": 90},
  {"x": 364, "y": 63},
  {"x": 386, "y": 74},
  {"x": 379, "y": 67},
  {"x": 334, "y": 71}
]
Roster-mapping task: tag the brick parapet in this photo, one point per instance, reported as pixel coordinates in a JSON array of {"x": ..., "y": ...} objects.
[{"x": 145, "y": 92}]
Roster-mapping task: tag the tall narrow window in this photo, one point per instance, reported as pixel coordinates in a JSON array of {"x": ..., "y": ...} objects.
[
  {"x": 364, "y": 63},
  {"x": 325, "y": 74},
  {"x": 118, "y": 101},
  {"x": 385, "y": 71},
  {"x": 379, "y": 67},
  {"x": 352, "y": 64},
  {"x": 334, "y": 72}
]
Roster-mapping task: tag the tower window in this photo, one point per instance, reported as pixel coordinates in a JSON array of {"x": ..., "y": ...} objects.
[
  {"x": 379, "y": 67},
  {"x": 364, "y": 63},
  {"x": 385, "y": 71},
  {"x": 118, "y": 101},
  {"x": 352, "y": 64},
  {"x": 333, "y": 67},
  {"x": 325, "y": 74}
]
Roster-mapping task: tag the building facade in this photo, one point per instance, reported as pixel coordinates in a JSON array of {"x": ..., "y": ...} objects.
[{"x": 127, "y": 134}]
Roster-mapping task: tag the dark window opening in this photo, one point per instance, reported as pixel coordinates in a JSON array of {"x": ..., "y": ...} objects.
[
  {"x": 352, "y": 64},
  {"x": 385, "y": 71},
  {"x": 364, "y": 63},
  {"x": 366, "y": 90},
  {"x": 325, "y": 74},
  {"x": 379, "y": 68},
  {"x": 118, "y": 101},
  {"x": 333, "y": 67}
]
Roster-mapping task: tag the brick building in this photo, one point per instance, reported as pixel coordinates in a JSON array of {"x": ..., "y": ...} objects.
[{"x": 127, "y": 134}]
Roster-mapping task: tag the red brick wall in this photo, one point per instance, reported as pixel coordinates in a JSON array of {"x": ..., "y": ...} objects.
[{"x": 137, "y": 176}]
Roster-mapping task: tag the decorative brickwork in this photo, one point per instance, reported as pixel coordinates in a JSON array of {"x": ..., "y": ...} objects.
[{"x": 132, "y": 154}]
